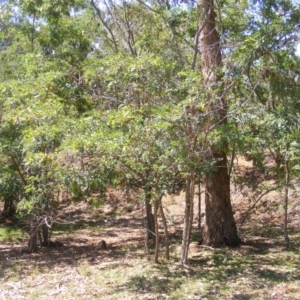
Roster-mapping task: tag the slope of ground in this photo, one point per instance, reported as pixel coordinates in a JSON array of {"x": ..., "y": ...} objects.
[{"x": 261, "y": 268}]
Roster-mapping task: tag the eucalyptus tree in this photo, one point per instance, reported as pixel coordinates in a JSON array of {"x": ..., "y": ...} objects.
[
  {"x": 268, "y": 71},
  {"x": 219, "y": 226}
]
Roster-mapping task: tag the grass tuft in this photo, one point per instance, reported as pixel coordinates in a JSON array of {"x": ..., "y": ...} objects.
[{"x": 10, "y": 234}]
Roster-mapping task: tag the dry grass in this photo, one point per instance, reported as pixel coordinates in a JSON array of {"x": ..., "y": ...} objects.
[{"x": 261, "y": 268}]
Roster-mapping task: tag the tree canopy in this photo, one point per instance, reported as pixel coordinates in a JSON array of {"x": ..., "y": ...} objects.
[{"x": 99, "y": 94}]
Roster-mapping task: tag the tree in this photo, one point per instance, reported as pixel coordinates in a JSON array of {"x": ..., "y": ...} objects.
[
  {"x": 266, "y": 72},
  {"x": 219, "y": 228},
  {"x": 118, "y": 100},
  {"x": 40, "y": 87}
]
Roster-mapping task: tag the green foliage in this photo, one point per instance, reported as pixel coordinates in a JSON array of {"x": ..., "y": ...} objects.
[
  {"x": 10, "y": 234},
  {"x": 98, "y": 96}
]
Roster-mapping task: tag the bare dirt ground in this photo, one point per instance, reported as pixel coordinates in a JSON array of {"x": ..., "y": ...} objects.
[{"x": 261, "y": 268}]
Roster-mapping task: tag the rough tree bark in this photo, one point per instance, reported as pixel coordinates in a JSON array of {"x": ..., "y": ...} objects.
[
  {"x": 9, "y": 208},
  {"x": 219, "y": 228},
  {"x": 32, "y": 243},
  {"x": 150, "y": 226}
]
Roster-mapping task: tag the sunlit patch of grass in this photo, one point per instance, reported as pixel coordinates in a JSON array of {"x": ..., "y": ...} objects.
[
  {"x": 16, "y": 267},
  {"x": 85, "y": 270},
  {"x": 114, "y": 274},
  {"x": 61, "y": 229},
  {"x": 10, "y": 234},
  {"x": 36, "y": 294},
  {"x": 261, "y": 269},
  {"x": 10, "y": 271},
  {"x": 70, "y": 285},
  {"x": 13, "y": 278},
  {"x": 114, "y": 278},
  {"x": 35, "y": 271}
]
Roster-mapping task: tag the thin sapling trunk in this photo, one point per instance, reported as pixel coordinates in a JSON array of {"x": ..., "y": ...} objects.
[
  {"x": 155, "y": 204},
  {"x": 161, "y": 209},
  {"x": 188, "y": 217},
  {"x": 199, "y": 205},
  {"x": 286, "y": 200}
]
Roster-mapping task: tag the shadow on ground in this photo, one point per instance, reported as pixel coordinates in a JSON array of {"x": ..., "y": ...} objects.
[{"x": 257, "y": 267}]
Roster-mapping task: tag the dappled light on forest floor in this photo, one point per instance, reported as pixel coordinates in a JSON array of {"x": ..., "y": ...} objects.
[
  {"x": 78, "y": 267},
  {"x": 261, "y": 268},
  {"x": 135, "y": 135}
]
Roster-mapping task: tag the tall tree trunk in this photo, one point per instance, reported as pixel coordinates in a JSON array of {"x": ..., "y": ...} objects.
[{"x": 219, "y": 228}]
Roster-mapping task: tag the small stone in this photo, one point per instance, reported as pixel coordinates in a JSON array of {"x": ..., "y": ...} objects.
[{"x": 102, "y": 245}]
